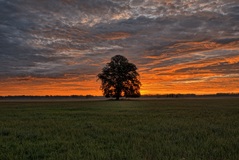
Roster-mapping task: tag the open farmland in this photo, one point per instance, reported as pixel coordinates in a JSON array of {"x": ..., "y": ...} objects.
[{"x": 191, "y": 129}]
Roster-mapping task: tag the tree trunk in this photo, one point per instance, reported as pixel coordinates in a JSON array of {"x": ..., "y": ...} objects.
[{"x": 118, "y": 92}]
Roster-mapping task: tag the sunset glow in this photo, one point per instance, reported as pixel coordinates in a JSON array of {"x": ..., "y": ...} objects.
[{"x": 179, "y": 46}]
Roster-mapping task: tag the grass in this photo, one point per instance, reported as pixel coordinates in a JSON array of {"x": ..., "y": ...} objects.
[{"x": 186, "y": 129}]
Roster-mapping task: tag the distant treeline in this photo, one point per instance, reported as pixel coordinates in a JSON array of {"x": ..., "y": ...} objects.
[
  {"x": 26, "y": 97},
  {"x": 192, "y": 95}
]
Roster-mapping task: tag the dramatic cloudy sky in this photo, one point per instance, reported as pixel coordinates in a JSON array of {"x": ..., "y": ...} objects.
[{"x": 59, "y": 46}]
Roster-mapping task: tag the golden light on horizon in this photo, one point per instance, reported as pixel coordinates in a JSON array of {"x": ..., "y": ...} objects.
[{"x": 151, "y": 84}]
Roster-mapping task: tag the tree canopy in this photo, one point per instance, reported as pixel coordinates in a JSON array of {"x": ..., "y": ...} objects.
[{"x": 120, "y": 79}]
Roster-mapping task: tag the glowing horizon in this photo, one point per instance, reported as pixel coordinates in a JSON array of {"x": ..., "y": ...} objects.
[{"x": 59, "y": 47}]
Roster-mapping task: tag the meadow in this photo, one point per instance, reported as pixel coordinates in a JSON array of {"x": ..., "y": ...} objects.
[{"x": 163, "y": 129}]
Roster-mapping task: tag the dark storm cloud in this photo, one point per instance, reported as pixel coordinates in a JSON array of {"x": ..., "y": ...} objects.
[{"x": 54, "y": 38}]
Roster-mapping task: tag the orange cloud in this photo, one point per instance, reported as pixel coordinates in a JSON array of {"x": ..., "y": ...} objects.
[
  {"x": 204, "y": 72},
  {"x": 114, "y": 35},
  {"x": 225, "y": 84}
]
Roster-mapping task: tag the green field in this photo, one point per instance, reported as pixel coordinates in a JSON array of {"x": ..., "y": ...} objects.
[{"x": 186, "y": 129}]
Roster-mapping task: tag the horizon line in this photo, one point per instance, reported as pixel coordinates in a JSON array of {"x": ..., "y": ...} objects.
[{"x": 158, "y": 94}]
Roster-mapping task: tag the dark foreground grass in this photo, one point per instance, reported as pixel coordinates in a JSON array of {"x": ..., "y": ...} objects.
[{"x": 186, "y": 129}]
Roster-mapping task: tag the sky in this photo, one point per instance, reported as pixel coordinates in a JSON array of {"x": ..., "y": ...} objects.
[{"x": 57, "y": 47}]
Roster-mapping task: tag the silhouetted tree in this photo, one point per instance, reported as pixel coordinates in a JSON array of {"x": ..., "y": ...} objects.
[{"x": 120, "y": 79}]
